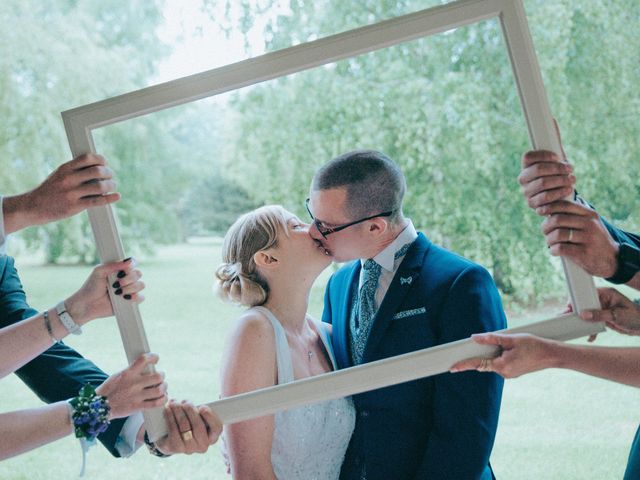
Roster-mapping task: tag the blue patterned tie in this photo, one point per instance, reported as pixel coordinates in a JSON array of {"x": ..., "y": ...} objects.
[{"x": 364, "y": 308}]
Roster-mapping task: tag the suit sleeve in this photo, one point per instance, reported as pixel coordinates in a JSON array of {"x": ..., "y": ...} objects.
[
  {"x": 465, "y": 405},
  {"x": 621, "y": 236},
  {"x": 326, "y": 309},
  {"x": 58, "y": 373}
]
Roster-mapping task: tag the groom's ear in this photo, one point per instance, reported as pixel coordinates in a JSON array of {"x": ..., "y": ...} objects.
[
  {"x": 378, "y": 226},
  {"x": 265, "y": 259}
]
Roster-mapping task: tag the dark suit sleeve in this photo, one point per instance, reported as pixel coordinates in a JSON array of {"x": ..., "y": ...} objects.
[
  {"x": 60, "y": 372},
  {"x": 621, "y": 236},
  {"x": 465, "y": 405}
]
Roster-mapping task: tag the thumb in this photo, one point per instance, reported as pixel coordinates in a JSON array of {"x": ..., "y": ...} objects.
[
  {"x": 143, "y": 361},
  {"x": 492, "y": 339}
]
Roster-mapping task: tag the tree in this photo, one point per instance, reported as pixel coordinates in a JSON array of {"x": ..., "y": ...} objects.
[{"x": 447, "y": 110}]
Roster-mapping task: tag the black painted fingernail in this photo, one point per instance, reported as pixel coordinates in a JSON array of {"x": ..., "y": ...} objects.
[
  {"x": 126, "y": 259},
  {"x": 121, "y": 274},
  {"x": 127, "y": 296},
  {"x": 116, "y": 284},
  {"x": 118, "y": 291}
]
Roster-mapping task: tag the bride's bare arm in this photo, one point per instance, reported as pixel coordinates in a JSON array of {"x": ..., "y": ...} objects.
[{"x": 250, "y": 364}]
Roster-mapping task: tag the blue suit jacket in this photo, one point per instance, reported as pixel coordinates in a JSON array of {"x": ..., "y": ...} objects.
[
  {"x": 442, "y": 427},
  {"x": 60, "y": 372}
]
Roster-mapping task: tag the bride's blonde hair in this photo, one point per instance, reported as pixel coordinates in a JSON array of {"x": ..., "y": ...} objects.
[{"x": 237, "y": 277}]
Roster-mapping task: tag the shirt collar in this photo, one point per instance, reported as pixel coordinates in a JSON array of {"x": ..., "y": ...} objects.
[{"x": 386, "y": 258}]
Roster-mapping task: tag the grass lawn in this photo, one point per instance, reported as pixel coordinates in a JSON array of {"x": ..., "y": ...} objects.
[{"x": 553, "y": 424}]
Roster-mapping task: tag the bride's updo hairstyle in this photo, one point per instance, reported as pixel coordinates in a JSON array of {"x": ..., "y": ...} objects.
[{"x": 238, "y": 280}]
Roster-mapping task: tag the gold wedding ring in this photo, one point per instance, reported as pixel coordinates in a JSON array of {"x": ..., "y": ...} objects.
[{"x": 186, "y": 436}]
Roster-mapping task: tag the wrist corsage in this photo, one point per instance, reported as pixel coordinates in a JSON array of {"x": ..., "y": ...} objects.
[{"x": 89, "y": 417}]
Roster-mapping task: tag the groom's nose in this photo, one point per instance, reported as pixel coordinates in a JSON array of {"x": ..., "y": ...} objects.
[{"x": 315, "y": 233}]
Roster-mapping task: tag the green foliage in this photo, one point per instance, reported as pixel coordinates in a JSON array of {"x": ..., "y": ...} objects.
[
  {"x": 213, "y": 205},
  {"x": 446, "y": 108}
]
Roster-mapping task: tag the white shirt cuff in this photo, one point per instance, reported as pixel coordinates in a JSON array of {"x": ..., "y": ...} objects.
[{"x": 126, "y": 443}]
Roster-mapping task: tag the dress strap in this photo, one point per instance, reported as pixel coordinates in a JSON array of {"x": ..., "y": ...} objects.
[
  {"x": 325, "y": 336},
  {"x": 283, "y": 352}
]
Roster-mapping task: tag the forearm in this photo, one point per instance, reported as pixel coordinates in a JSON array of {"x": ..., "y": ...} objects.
[
  {"x": 25, "y": 340},
  {"x": 17, "y": 213},
  {"x": 620, "y": 365},
  {"x": 634, "y": 282},
  {"x": 28, "y": 429}
]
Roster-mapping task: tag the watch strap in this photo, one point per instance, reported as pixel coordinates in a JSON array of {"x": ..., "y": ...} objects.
[
  {"x": 67, "y": 320},
  {"x": 628, "y": 264}
]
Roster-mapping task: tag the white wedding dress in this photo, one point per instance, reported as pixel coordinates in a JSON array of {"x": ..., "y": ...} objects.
[{"x": 309, "y": 442}]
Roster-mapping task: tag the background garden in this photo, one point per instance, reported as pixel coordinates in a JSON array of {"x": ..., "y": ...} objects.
[{"x": 445, "y": 108}]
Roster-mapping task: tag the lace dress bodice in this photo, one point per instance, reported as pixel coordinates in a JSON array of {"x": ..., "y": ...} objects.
[{"x": 309, "y": 442}]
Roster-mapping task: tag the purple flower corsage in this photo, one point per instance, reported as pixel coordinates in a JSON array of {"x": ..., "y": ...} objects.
[{"x": 90, "y": 413}]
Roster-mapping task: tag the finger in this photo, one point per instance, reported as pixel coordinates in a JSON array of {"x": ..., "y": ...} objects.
[
  {"x": 212, "y": 421},
  {"x": 84, "y": 161},
  {"x": 107, "y": 269},
  {"x": 570, "y": 250},
  {"x": 550, "y": 183},
  {"x": 566, "y": 206},
  {"x": 92, "y": 173},
  {"x": 177, "y": 445},
  {"x": 596, "y": 316},
  {"x": 466, "y": 365},
  {"x": 549, "y": 196},
  {"x": 99, "y": 200},
  {"x": 142, "y": 362},
  {"x": 151, "y": 379},
  {"x": 536, "y": 156},
  {"x": 131, "y": 276},
  {"x": 155, "y": 396},
  {"x": 566, "y": 236},
  {"x": 181, "y": 418},
  {"x": 136, "y": 298},
  {"x": 544, "y": 169},
  {"x": 564, "y": 221},
  {"x": 197, "y": 426},
  {"x": 492, "y": 339},
  {"x": 101, "y": 187}
]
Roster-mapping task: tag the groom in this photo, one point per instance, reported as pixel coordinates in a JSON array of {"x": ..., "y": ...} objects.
[{"x": 403, "y": 293}]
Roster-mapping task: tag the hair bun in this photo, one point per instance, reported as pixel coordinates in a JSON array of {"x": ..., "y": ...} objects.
[{"x": 233, "y": 285}]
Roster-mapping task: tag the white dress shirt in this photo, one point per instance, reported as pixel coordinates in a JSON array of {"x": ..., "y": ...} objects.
[{"x": 386, "y": 259}]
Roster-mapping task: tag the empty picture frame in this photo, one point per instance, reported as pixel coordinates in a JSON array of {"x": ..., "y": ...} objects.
[{"x": 80, "y": 122}]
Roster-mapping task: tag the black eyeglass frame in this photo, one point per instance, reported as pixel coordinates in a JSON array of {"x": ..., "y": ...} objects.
[{"x": 324, "y": 231}]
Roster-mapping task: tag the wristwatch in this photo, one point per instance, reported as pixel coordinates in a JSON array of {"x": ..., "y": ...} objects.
[
  {"x": 67, "y": 320},
  {"x": 628, "y": 264},
  {"x": 153, "y": 448}
]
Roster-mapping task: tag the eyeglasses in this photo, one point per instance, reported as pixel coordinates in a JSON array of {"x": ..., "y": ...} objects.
[{"x": 326, "y": 231}]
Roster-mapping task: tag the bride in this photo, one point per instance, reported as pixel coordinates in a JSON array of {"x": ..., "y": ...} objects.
[{"x": 270, "y": 264}]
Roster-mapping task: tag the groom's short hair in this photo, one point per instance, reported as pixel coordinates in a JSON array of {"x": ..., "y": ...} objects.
[{"x": 374, "y": 183}]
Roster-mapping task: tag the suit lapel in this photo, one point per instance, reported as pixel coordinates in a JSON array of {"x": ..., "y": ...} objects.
[
  {"x": 404, "y": 281},
  {"x": 341, "y": 325}
]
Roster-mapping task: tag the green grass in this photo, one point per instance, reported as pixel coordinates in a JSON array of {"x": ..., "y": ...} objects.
[{"x": 553, "y": 424}]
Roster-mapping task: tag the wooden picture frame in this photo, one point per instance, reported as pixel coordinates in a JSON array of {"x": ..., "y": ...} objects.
[{"x": 80, "y": 122}]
